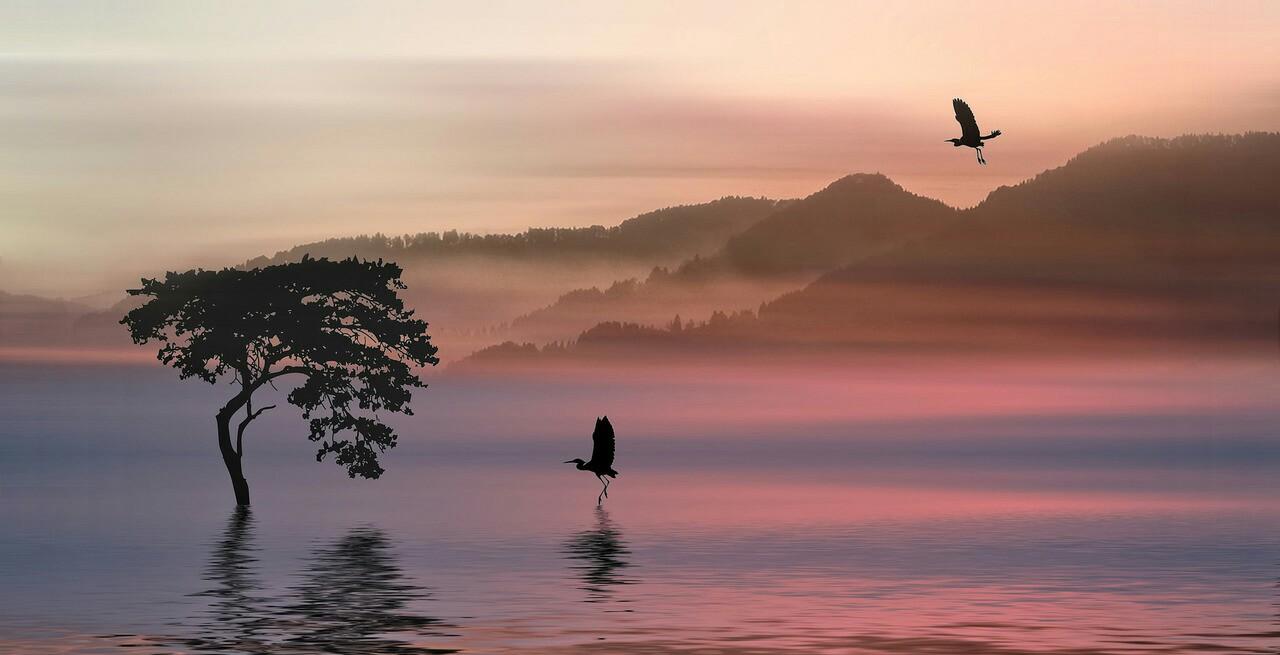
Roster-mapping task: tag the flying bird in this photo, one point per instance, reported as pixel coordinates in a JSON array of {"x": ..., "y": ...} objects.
[
  {"x": 601, "y": 456},
  {"x": 970, "y": 136}
]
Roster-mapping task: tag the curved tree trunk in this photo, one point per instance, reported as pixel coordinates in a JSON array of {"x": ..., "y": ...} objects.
[{"x": 232, "y": 458}]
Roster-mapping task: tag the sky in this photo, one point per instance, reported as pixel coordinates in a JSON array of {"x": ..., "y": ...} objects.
[{"x": 145, "y": 136}]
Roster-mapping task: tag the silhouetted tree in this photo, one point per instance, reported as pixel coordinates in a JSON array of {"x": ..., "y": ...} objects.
[{"x": 339, "y": 324}]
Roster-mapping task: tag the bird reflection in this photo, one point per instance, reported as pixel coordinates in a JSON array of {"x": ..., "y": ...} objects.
[
  {"x": 600, "y": 555},
  {"x": 353, "y": 598}
]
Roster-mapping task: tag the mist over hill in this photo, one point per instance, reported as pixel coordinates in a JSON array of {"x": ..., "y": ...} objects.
[
  {"x": 1137, "y": 244},
  {"x": 855, "y": 217},
  {"x": 469, "y": 285},
  {"x": 670, "y": 234},
  {"x": 26, "y": 318},
  {"x": 466, "y": 285}
]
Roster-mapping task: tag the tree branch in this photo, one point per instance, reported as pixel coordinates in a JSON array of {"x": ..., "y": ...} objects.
[
  {"x": 249, "y": 416},
  {"x": 275, "y": 374}
]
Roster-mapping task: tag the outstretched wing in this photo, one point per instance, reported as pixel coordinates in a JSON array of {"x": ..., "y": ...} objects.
[
  {"x": 602, "y": 443},
  {"x": 964, "y": 116}
]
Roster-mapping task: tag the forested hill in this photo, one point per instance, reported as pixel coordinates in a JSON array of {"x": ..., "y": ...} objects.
[
  {"x": 1136, "y": 244},
  {"x": 854, "y": 217},
  {"x": 669, "y": 234}
]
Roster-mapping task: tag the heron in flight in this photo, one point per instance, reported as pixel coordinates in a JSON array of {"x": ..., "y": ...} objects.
[
  {"x": 970, "y": 136},
  {"x": 601, "y": 456}
]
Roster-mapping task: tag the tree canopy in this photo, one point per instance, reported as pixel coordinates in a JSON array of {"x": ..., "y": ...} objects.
[{"x": 339, "y": 324}]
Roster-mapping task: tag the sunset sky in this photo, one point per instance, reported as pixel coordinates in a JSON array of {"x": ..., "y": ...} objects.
[{"x": 140, "y": 136}]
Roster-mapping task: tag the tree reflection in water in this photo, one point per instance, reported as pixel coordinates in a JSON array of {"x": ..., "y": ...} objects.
[
  {"x": 354, "y": 598},
  {"x": 239, "y": 618}
]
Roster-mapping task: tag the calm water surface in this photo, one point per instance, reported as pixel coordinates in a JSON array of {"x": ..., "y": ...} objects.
[{"x": 492, "y": 546}]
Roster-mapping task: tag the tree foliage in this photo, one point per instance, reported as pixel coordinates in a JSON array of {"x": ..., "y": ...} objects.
[{"x": 339, "y": 324}]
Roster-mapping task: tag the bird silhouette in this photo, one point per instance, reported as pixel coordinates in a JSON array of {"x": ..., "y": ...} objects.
[
  {"x": 601, "y": 463},
  {"x": 969, "y": 133}
]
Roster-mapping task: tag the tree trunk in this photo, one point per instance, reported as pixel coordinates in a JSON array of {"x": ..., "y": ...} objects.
[{"x": 232, "y": 458}]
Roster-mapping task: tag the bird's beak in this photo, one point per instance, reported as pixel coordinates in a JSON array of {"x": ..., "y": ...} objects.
[{"x": 568, "y": 461}]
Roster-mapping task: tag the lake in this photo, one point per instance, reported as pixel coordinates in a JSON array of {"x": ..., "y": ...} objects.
[{"x": 1150, "y": 532}]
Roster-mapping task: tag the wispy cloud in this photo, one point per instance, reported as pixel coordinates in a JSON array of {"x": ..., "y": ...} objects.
[{"x": 158, "y": 136}]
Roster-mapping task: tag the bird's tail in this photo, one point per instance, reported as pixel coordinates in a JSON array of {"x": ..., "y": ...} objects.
[
  {"x": 992, "y": 135},
  {"x": 612, "y": 473}
]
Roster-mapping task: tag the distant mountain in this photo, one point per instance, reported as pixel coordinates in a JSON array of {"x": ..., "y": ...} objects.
[
  {"x": 1185, "y": 214},
  {"x": 26, "y": 319},
  {"x": 855, "y": 217},
  {"x": 467, "y": 284},
  {"x": 664, "y": 235},
  {"x": 1136, "y": 245}
]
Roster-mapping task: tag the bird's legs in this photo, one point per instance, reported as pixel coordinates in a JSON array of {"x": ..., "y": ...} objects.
[
  {"x": 981, "y": 160},
  {"x": 604, "y": 490}
]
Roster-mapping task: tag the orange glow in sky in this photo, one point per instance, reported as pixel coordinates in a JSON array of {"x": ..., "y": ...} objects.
[{"x": 164, "y": 135}]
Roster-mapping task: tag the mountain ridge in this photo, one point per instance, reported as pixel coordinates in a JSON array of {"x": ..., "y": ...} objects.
[
  {"x": 1166, "y": 263},
  {"x": 854, "y": 216},
  {"x": 689, "y": 227}
]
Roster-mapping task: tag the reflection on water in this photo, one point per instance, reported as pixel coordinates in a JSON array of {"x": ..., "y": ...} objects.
[
  {"x": 1082, "y": 564},
  {"x": 353, "y": 598},
  {"x": 238, "y": 618},
  {"x": 600, "y": 555}
]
